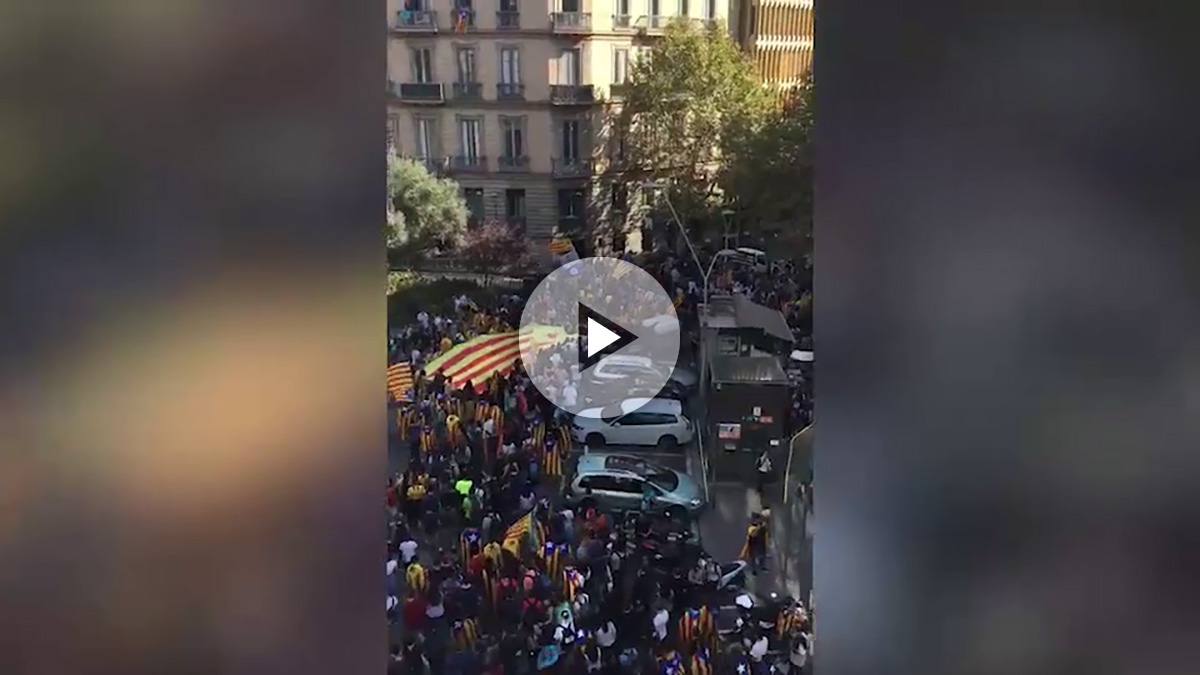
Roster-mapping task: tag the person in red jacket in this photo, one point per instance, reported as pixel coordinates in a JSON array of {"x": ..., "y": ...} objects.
[{"x": 414, "y": 613}]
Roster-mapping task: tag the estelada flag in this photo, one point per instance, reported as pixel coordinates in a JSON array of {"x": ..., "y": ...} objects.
[
  {"x": 400, "y": 381},
  {"x": 527, "y": 528}
]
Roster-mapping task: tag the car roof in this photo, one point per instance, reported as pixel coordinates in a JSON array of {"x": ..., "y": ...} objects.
[
  {"x": 616, "y": 463},
  {"x": 751, "y": 251},
  {"x": 633, "y": 359},
  {"x": 652, "y": 405}
]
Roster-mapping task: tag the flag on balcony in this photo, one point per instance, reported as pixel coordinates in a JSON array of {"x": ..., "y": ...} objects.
[{"x": 460, "y": 20}]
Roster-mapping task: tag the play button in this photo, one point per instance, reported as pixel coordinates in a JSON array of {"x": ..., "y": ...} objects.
[
  {"x": 625, "y": 330},
  {"x": 599, "y": 337}
]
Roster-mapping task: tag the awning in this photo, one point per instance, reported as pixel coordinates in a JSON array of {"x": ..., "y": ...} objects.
[{"x": 749, "y": 314}]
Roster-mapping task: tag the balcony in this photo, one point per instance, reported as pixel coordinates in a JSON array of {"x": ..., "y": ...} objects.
[
  {"x": 513, "y": 164},
  {"x": 510, "y": 91},
  {"x": 468, "y": 163},
  {"x": 433, "y": 164},
  {"x": 571, "y": 22},
  {"x": 573, "y": 167},
  {"x": 419, "y": 92},
  {"x": 622, "y": 22},
  {"x": 416, "y": 21},
  {"x": 468, "y": 91},
  {"x": 508, "y": 21},
  {"x": 617, "y": 91},
  {"x": 463, "y": 20},
  {"x": 572, "y": 94},
  {"x": 652, "y": 24}
]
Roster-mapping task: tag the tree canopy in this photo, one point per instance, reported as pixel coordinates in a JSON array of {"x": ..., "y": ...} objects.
[
  {"x": 688, "y": 99},
  {"x": 768, "y": 173},
  {"x": 425, "y": 213},
  {"x": 495, "y": 247}
]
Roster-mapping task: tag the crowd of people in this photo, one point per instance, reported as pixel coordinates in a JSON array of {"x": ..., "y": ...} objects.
[{"x": 488, "y": 572}]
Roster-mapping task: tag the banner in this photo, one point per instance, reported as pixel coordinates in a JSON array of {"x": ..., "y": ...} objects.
[{"x": 400, "y": 381}]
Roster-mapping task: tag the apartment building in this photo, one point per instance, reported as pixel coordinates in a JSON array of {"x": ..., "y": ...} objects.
[
  {"x": 778, "y": 34},
  {"x": 508, "y": 97}
]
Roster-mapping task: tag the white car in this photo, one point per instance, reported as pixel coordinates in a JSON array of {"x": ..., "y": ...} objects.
[
  {"x": 636, "y": 421},
  {"x": 618, "y": 367}
]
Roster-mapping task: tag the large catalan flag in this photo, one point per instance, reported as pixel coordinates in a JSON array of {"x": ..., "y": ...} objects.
[
  {"x": 479, "y": 359},
  {"x": 400, "y": 381}
]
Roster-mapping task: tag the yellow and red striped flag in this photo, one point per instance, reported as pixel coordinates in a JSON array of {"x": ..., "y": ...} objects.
[
  {"x": 400, "y": 381},
  {"x": 479, "y": 359}
]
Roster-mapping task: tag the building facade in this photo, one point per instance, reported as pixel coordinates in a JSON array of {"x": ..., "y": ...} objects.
[
  {"x": 778, "y": 34},
  {"x": 508, "y": 97}
]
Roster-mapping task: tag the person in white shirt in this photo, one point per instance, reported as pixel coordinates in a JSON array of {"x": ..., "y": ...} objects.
[
  {"x": 408, "y": 551},
  {"x": 661, "y": 618},
  {"x": 801, "y": 648},
  {"x": 759, "y": 649},
  {"x": 570, "y": 395},
  {"x": 606, "y": 635}
]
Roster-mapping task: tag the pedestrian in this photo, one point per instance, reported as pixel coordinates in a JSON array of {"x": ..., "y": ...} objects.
[{"x": 763, "y": 468}]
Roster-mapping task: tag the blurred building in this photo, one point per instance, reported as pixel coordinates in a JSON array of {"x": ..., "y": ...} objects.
[
  {"x": 778, "y": 34},
  {"x": 507, "y": 97}
]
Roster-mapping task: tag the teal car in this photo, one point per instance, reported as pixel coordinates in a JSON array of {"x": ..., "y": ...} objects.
[{"x": 620, "y": 482}]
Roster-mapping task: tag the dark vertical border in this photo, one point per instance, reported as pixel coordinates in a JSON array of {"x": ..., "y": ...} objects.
[
  {"x": 191, "y": 324},
  {"x": 1008, "y": 338}
]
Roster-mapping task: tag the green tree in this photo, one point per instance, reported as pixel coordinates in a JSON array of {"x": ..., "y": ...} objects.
[
  {"x": 425, "y": 213},
  {"x": 769, "y": 171},
  {"x": 688, "y": 99}
]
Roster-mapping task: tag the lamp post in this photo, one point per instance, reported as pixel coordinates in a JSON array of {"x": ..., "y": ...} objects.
[{"x": 705, "y": 274}]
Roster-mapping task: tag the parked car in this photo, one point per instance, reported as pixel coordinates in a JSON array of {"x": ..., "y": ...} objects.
[
  {"x": 623, "y": 368},
  {"x": 611, "y": 481},
  {"x": 646, "y": 421}
]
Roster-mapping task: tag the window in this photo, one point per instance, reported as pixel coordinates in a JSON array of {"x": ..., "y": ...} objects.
[
  {"x": 508, "y": 6},
  {"x": 514, "y": 203},
  {"x": 601, "y": 483},
  {"x": 512, "y": 129},
  {"x": 655, "y": 9},
  {"x": 466, "y": 64},
  {"x": 622, "y": 7},
  {"x": 570, "y": 6},
  {"x": 463, "y": 4},
  {"x": 474, "y": 199},
  {"x": 710, "y": 9},
  {"x": 627, "y": 484},
  {"x": 570, "y": 140},
  {"x": 620, "y": 66},
  {"x": 684, "y": 9},
  {"x": 510, "y": 65},
  {"x": 570, "y": 203},
  {"x": 469, "y": 138},
  {"x": 620, "y": 197},
  {"x": 415, "y": 5},
  {"x": 427, "y": 137},
  {"x": 422, "y": 65},
  {"x": 570, "y": 67},
  {"x": 640, "y": 419}
]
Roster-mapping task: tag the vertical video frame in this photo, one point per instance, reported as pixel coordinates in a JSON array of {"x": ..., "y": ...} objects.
[{"x": 643, "y": 513}]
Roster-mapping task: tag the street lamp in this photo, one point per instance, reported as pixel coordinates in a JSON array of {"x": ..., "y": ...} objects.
[{"x": 705, "y": 274}]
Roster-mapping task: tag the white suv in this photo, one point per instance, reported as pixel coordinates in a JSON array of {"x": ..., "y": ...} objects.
[
  {"x": 638, "y": 421},
  {"x": 620, "y": 368}
]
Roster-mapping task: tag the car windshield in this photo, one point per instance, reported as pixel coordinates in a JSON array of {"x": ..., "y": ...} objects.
[
  {"x": 611, "y": 414},
  {"x": 663, "y": 478}
]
